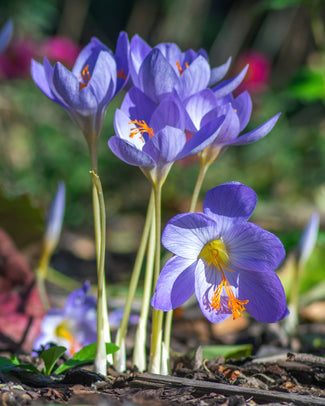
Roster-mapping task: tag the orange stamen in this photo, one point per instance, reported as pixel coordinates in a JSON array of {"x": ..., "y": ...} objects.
[
  {"x": 142, "y": 127},
  {"x": 180, "y": 69},
  {"x": 85, "y": 75},
  {"x": 121, "y": 74},
  {"x": 215, "y": 253}
]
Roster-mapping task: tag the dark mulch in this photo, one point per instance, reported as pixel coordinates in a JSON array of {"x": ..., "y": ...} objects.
[{"x": 288, "y": 379}]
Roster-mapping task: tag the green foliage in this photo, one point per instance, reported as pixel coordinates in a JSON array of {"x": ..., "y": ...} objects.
[
  {"x": 211, "y": 352},
  {"x": 277, "y": 4},
  {"x": 6, "y": 365},
  {"x": 308, "y": 85},
  {"x": 85, "y": 356},
  {"x": 50, "y": 357}
]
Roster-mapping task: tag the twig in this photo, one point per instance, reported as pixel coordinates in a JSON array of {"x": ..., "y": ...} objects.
[{"x": 153, "y": 381}]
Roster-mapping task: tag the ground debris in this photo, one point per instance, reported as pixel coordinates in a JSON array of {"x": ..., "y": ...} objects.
[{"x": 285, "y": 379}]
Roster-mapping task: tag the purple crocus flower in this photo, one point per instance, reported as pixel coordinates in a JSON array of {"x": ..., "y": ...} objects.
[
  {"x": 86, "y": 91},
  {"x": 204, "y": 106},
  {"x": 152, "y": 136},
  {"x": 74, "y": 326},
  {"x": 227, "y": 261},
  {"x": 165, "y": 68}
]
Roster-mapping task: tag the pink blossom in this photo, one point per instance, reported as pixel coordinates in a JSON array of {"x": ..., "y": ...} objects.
[{"x": 60, "y": 49}]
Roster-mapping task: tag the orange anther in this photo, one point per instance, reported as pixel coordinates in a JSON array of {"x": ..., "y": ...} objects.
[
  {"x": 85, "y": 76},
  {"x": 180, "y": 69},
  {"x": 121, "y": 74},
  {"x": 142, "y": 127},
  {"x": 215, "y": 253}
]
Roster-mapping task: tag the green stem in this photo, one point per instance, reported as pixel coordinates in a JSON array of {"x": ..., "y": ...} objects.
[
  {"x": 202, "y": 172},
  {"x": 157, "y": 315},
  {"x": 96, "y": 219},
  {"x": 134, "y": 279},
  {"x": 139, "y": 353}
]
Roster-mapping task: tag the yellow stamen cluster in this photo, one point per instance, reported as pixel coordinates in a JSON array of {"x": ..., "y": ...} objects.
[
  {"x": 85, "y": 76},
  {"x": 180, "y": 69},
  {"x": 215, "y": 253},
  {"x": 142, "y": 127}
]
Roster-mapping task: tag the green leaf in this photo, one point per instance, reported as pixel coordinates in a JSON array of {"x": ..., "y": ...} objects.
[
  {"x": 85, "y": 356},
  {"x": 7, "y": 365},
  {"x": 308, "y": 85},
  {"x": 51, "y": 356},
  {"x": 210, "y": 352}
]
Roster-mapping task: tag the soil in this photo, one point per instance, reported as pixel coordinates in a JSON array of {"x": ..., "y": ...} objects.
[
  {"x": 280, "y": 378},
  {"x": 291, "y": 379}
]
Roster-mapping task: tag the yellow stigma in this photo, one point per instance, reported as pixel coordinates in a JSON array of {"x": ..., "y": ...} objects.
[
  {"x": 121, "y": 74},
  {"x": 85, "y": 76},
  {"x": 62, "y": 331},
  {"x": 215, "y": 253},
  {"x": 180, "y": 69},
  {"x": 142, "y": 127}
]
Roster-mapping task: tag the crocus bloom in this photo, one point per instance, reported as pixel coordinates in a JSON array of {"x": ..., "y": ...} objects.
[
  {"x": 227, "y": 261},
  {"x": 86, "y": 91},
  {"x": 74, "y": 326},
  {"x": 164, "y": 68},
  {"x": 5, "y": 35},
  {"x": 152, "y": 136},
  {"x": 209, "y": 103}
]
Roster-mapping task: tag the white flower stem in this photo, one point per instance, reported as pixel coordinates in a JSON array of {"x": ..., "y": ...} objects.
[
  {"x": 291, "y": 322},
  {"x": 169, "y": 315},
  {"x": 157, "y": 315},
  {"x": 134, "y": 280},
  {"x": 139, "y": 353},
  {"x": 103, "y": 331},
  {"x": 166, "y": 343}
]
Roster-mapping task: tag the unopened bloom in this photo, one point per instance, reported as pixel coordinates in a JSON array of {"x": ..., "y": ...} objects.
[
  {"x": 227, "y": 261},
  {"x": 5, "y": 35},
  {"x": 74, "y": 326},
  {"x": 308, "y": 239},
  {"x": 86, "y": 91},
  {"x": 165, "y": 68},
  {"x": 152, "y": 136},
  {"x": 55, "y": 218}
]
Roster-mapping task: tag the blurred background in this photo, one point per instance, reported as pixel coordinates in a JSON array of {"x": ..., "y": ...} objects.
[{"x": 282, "y": 40}]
